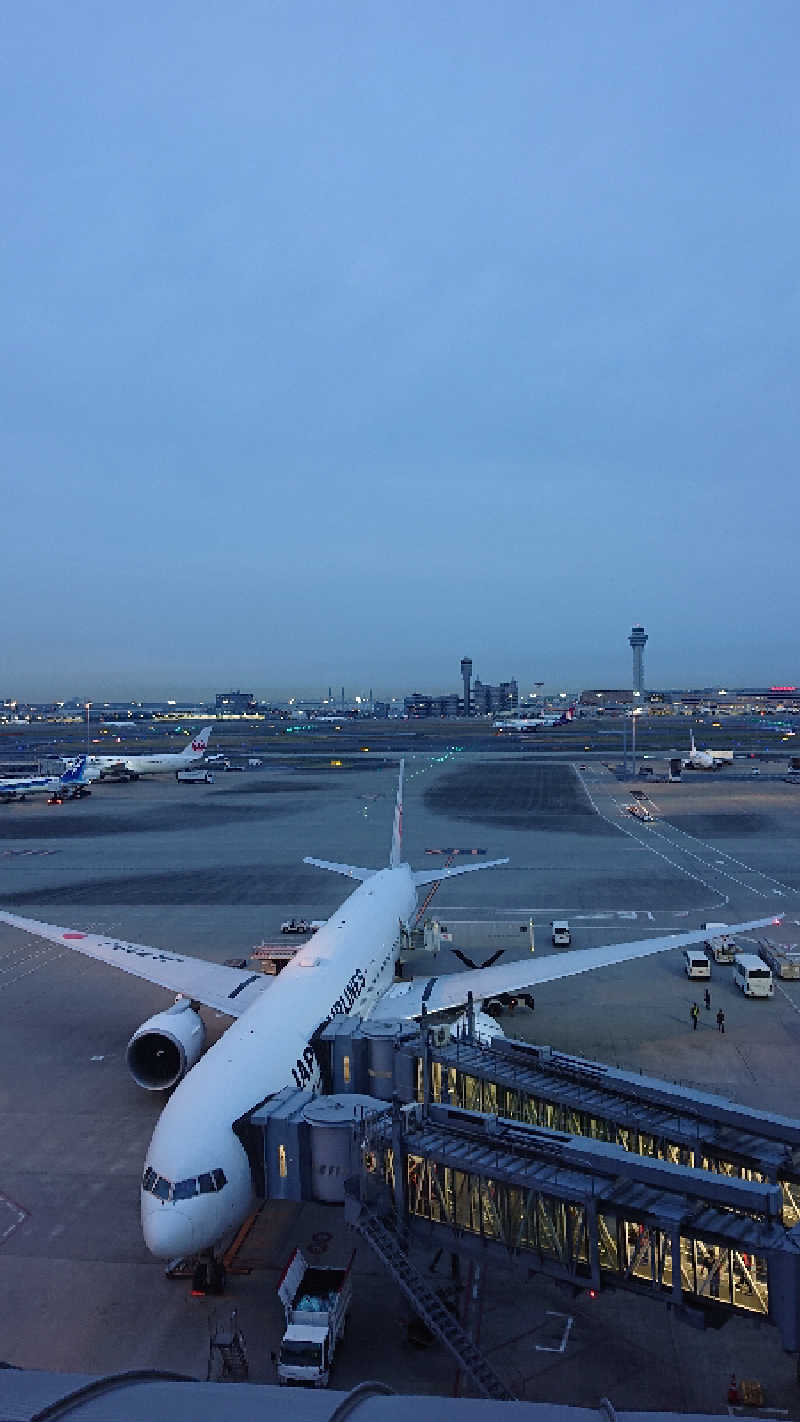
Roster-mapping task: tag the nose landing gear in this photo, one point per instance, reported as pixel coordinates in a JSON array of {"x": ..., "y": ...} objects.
[{"x": 209, "y": 1275}]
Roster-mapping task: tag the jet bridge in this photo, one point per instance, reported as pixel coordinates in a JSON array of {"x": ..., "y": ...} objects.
[
  {"x": 539, "y": 1086},
  {"x": 583, "y": 1211},
  {"x": 593, "y": 1175}
]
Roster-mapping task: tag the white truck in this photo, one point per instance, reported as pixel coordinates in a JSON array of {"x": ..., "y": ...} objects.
[
  {"x": 561, "y": 934},
  {"x": 194, "y": 777},
  {"x": 316, "y": 1301},
  {"x": 719, "y": 943}
]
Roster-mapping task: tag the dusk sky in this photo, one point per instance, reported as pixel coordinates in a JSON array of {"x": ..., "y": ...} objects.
[{"x": 341, "y": 340}]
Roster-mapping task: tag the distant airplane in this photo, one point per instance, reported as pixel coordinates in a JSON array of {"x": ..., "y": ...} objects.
[
  {"x": 198, "y": 1187},
  {"x": 72, "y": 785},
  {"x": 135, "y": 765},
  {"x": 535, "y": 723},
  {"x": 704, "y": 759}
]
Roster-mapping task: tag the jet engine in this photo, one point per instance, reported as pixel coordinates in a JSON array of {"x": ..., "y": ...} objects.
[{"x": 164, "y": 1048}]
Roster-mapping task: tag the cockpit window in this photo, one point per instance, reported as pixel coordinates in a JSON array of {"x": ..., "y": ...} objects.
[{"x": 206, "y": 1184}]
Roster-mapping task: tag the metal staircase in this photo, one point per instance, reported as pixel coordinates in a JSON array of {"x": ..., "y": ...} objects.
[{"x": 386, "y": 1243}]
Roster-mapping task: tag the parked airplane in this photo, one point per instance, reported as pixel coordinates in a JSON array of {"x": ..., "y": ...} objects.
[
  {"x": 198, "y": 1186},
  {"x": 535, "y": 723},
  {"x": 72, "y": 785},
  {"x": 704, "y": 759},
  {"x": 133, "y": 766}
]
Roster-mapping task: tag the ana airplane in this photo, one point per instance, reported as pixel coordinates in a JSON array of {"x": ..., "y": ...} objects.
[
  {"x": 198, "y": 1186},
  {"x": 535, "y": 723},
  {"x": 704, "y": 759},
  {"x": 72, "y": 785},
  {"x": 133, "y": 766}
]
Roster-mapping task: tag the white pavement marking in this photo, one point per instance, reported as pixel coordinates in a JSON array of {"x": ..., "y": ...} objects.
[
  {"x": 625, "y": 829},
  {"x": 761, "y": 893},
  {"x": 782, "y": 989},
  {"x": 11, "y": 1217},
  {"x": 732, "y": 859}
]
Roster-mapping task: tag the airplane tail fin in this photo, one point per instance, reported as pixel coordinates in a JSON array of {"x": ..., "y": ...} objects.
[
  {"x": 198, "y": 743},
  {"x": 76, "y": 773},
  {"x": 396, "y": 855}
]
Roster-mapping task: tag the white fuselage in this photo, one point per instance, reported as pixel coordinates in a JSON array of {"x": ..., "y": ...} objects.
[
  {"x": 145, "y": 764},
  {"x": 15, "y": 788},
  {"x": 33, "y": 785},
  {"x": 345, "y": 968}
]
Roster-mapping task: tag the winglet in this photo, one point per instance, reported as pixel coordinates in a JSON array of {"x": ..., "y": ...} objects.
[{"x": 396, "y": 855}]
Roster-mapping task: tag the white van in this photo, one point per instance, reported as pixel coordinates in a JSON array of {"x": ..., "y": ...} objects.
[
  {"x": 753, "y": 976},
  {"x": 561, "y": 934},
  {"x": 696, "y": 963}
]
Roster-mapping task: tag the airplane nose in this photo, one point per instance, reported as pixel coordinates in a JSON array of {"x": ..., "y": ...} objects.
[{"x": 167, "y": 1232}]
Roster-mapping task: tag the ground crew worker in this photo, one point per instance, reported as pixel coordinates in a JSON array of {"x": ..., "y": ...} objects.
[
  {"x": 694, "y": 1014},
  {"x": 707, "y": 999},
  {"x": 720, "y": 1021}
]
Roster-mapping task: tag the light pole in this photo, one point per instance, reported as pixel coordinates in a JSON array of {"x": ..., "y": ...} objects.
[
  {"x": 634, "y": 713},
  {"x": 88, "y": 708}
]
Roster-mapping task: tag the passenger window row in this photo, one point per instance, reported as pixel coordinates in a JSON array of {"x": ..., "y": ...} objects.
[{"x": 184, "y": 1189}]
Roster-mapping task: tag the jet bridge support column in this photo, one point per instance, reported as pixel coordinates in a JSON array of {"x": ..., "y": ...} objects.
[
  {"x": 400, "y": 1162},
  {"x": 594, "y": 1243}
]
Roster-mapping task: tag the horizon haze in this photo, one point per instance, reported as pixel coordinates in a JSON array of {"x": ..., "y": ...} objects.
[{"x": 341, "y": 342}]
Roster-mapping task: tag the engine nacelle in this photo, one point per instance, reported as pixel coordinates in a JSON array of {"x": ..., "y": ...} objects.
[{"x": 164, "y": 1048}]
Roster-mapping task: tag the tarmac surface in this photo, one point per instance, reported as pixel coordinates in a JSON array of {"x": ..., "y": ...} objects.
[{"x": 213, "y": 870}]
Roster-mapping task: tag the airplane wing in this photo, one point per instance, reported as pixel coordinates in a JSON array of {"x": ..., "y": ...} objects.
[
  {"x": 432, "y": 876},
  {"x": 441, "y": 994},
  {"x": 229, "y": 990}
]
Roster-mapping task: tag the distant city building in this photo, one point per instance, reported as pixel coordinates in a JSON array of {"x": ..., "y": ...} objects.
[
  {"x": 236, "y": 703},
  {"x": 420, "y": 706},
  {"x": 606, "y": 699},
  {"x": 488, "y": 700},
  {"x": 638, "y": 640},
  {"x": 466, "y": 675}
]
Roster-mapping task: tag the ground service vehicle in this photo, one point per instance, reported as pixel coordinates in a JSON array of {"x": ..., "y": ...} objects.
[
  {"x": 753, "y": 976},
  {"x": 696, "y": 964},
  {"x": 719, "y": 943},
  {"x": 561, "y": 934},
  {"x": 195, "y": 777},
  {"x": 295, "y": 925},
  {"x": 316, "y": 1301}
]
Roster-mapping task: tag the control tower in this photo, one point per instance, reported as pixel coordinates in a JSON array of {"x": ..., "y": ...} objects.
[
  {"x": 637, "y": 639},
  {"x": 466, "y": 672}
]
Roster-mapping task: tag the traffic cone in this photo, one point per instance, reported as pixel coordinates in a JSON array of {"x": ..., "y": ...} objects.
[{"x": 733, "y": 1390}]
